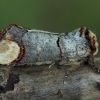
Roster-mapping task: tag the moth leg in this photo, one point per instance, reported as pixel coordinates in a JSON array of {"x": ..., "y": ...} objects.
[
  {"x": 71, "y": 68},
  {"x": 51, "y": 64},
  {"x": 97, "y": 65},
  {"x": 71, "y": 64},
  {"x": 91, "y": 60},
  {"x": 93, "y": 64}
]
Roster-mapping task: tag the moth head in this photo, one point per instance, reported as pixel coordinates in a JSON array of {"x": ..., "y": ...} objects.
[{"x": 92, "y": 40}]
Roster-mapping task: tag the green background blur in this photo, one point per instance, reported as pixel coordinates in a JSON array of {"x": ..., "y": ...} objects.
[{"x": 51, "y": 15}]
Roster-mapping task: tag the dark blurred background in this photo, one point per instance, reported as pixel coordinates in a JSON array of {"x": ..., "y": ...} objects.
[{"x": 51, "y": 15}]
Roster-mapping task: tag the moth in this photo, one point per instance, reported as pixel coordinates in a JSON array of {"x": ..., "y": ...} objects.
[{"x": 20, "y": 46}]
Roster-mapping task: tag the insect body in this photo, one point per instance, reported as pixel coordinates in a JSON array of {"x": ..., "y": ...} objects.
[{"x": 19, "y": 46}]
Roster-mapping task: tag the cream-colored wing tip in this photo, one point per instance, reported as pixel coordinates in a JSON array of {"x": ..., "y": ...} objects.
[
  {"x": 92, "y": 42},
  {"x": 9, "y": 51}
]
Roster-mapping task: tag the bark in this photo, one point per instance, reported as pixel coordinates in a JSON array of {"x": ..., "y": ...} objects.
[{"x": 43, "y": 83}]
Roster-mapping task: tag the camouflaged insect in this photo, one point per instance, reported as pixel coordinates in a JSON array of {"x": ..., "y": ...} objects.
[{"x": 20, "y": 46}]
